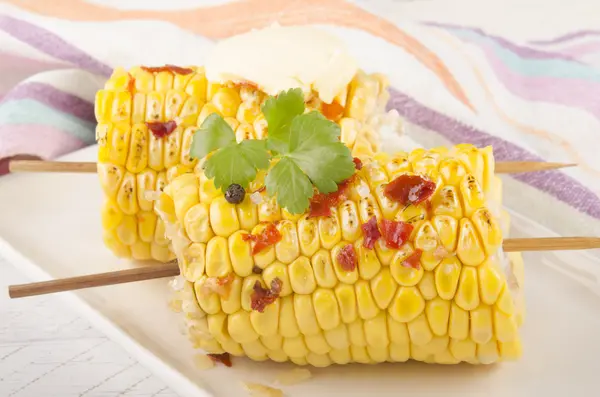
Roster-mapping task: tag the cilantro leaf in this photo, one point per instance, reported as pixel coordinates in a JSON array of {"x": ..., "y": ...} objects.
[
  {"x": 316, "y": 149},
  {"x": 290, "y": 184},
  {"x": 214, "y": 133},
  {"x": 279, "y": 112},
  {"x": 237, "y": 163}
]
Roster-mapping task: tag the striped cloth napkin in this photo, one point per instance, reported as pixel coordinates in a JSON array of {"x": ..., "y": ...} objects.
[{"x": 487, "y": 74}]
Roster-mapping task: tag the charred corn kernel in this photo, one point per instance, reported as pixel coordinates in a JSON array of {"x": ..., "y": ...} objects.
[
  {"x": 305, "y": 315},
  {"x": 137, "y": 158},
  {"x": 447, "y": 229},
  {"x": 427, "y": 285},
  {"x": 338, "y": 337},
  {"x": 438, "y": 314},
  {"x": 287, "y": 249},
  {"x": 447, "y": 202},
  {"x": 267, "y": 322},
  {"x": 488, "y": 229},
  {"x": 467, "y": 295},
  {"x": 308, "y": 236},
  {"x": 368, "y": 208},
  {"x": 218, "y": 263},
  {"x": 408, "y": 304},
  {"x": 329, "y": 230},
  {"x": 368, "y": 263},
  {"x": 302, "y": 279},
  {"x": 351, "y": 227},
  {"x": 240, "y": 328},
  {"x": 280, "y": 271},
  {"x": 288, "y": 326},
  {"x": 472, "y": 195},
  {"x": 323, "y": 269},
  {"x": 458, "y": 326},
  {"x": 384, "y": 288},
  {"x": 317, "y": 344},
  {"x": 346, "y": 298}
]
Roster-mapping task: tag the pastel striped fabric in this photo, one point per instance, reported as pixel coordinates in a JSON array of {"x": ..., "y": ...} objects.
[{"x": 530, "y": 91}]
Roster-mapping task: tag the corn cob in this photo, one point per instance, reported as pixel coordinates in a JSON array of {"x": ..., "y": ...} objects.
[
  {"x": 132, "y": 161},
  {"x": 457, "y": 306}
]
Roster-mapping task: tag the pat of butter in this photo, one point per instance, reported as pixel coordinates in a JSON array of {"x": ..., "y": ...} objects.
[{"x": 279, "y": 58}]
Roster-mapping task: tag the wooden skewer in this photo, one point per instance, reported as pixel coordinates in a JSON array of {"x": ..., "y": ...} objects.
[
  {"x": 506, "y": 167},
  {"x": 172, "y": 269}
]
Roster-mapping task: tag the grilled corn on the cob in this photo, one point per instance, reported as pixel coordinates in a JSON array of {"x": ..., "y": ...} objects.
[
  {"x": 458, "y": 305},
  {"x": 132, "y": 160}
]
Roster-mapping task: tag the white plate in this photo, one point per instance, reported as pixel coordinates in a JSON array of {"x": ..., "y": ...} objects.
[{"x": 50, "y": 226}]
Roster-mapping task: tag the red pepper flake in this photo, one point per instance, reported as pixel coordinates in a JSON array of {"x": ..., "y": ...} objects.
[
  {"x": 347, "y": 258},
  {"x": 262, "y": 189},
  {"x": 269, "y": 236},
  {"x": 131, "y": 84},
  {"x": 262, "y": 297},
  {"x": 320, "y": 204},
  {"x": 357, "y": 163},
  {"x": 244, "y": 83},
  {"x": 409, "y": 189},
  {"x": 160, "y": 129},
  {"x": 168, "y": 68},
  {"x": 395, "y": 233},
  {"x": 413, "y": 260},
  {"x": 223, "y": 358},
  {"x": 333, "y": 111},
  {"x": 371, "y": 232}
]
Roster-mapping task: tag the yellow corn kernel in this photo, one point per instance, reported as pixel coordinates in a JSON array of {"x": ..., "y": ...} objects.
[
  {"x": 227, "y": 101},
  {"x": 146, "y": 226},
  {"x": 260, "y": 127},
  {"x": 384, "y": 288},
  {"x": 399, "y": 353},
  {"x": 159, "y": 233},
  {"x": 247, "y": 214},
  {"x": 412, "y": 214},
  {"x": 155, "y": 109},
  {"x": 437, "y": 345},
  {"x": 266, "y": 323},
  {"x": 472, "y": 195},
  {"x": 405, "y": 275},
  {"x": 376, "y": 333},
  {"x": 384, "y": 253},
  {"x": 172, "y": 145},
  {"x": 447, "y": 229},
  {"x": 375, "y": 174},
  {"x": 348, "y": 130},
  {"x": 138, "y": 149},
  {"x": 296, "y": 349},
  {"x": 127, "y": 195},
  {"x": 206, "y": 111},
  {"x": 208, "y": 191},
  {"x": 161, "y": 253},
  {"x": 345, "y": 276},
  {"x": 317, "y": 343},
  {"x": 280, "y": 271},
  {"x": 287, "y": 249},
  {"x": 447, "y": 202},
  {"x": 326, "y": 308},
  {"x": 481, "y": 324},
  {"x": 368, "y": 208},
  {"x": 223, "y": 217},
  {"x": 255, "y": 350},
  {"x": 269, "y": 210},
  {"x": 351, "y": 227},
  {"x": 286, "y": 215},
  {"x": 103, "y": 105},
  {"x": 510, "y": 350},
  {"x": 248, "y": 290},
  {"x": 467, "y": 294},
  {"x": 488, "y": 229},
  {"x": 127, "y": 230},
  {"x": 427, "y": 285},
  {"x": 323, "y": 269},
  {"x": 266, "y": 256},
  {"x": 318, "y": 360},
  {"x": 469, "y": 248},
  {"x": 189, "y": 111},
  {"x": 505, "y": 302},
  {"x": 232, "y": 302},
  {"x": 305, "y": 315},
  {"x": 240, "y": 328},
  {"x": 452, "y": 171},
  {"x": 273, "y": 342},
  {"x": 155, "y": 153},
  {"x": 463, "y": 350},
  {"x": 288, "y": 326},
  {"x": 240, "y": 254},
  {"x": 377, "y": 354},
  {"x": 505, "y": 326},
  {"x": 368, "y": 263},
  {"x": 458, "y": 326},
  {"x": 118, "y": 248},
  {"x": 193, "y": 263},
  {"x": 329, "y": 230},
  {"x": 438, "y": 314},
  {"x": 196, "y": 86},
  {"x": 356, "y": 331},
  {"x": 119, "y": 143},
  {"x": 247, "y": 112},
  {"x": 302, "y": 278},
  {"x": 173, "y": 103},
  {"x": 360, "y": 355},
  {"x": 217, "y": 327},
  {"x": 208, "y": 301},
  {"x": 163, "y": 81},
  {"x": 398, "y": 164},
  {"x": 111, "y": 177},
  {"x": 184, "y": 191},
  {"x": 104, "y": 139},
  {"x": 141, "y": 251},
  {"x": 121, "y": 107},
  {"x": 340, "y": 356},
  {"x": 338, "y": 337},
  {"x": 398, "y": 332},
  {"x": 197, "y": 223},
  {"x": 243, "y": 132},
  {"x": 419, "y": 331},
  {"x": 407, "y": 305},
  {"x": 490, "y": 281},
  {"x": 426, "y": 238},
  {"x": 308, "y": 235},
  {"x": 138, "y": 111},
  {"x": 487, "y": 353},
  {"x": 218, "y": 263},
  {"x": 447, "y": 276},
  {"x": 346, "y": 298},
  {"x": 146, "y": 181}
]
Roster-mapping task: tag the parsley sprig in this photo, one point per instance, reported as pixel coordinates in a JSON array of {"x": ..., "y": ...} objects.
[{"x": 302, "y": 150}]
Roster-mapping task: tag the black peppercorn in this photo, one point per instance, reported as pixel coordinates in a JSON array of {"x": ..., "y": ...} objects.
[{"x": 235, "y": 194}]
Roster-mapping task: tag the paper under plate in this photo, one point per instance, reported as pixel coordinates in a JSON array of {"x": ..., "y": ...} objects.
[{"x": 50, "y": 226}]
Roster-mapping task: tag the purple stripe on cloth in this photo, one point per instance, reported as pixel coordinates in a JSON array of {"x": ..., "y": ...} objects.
[
  {"x": 524, "y": 52},
  {"x": 555, "y": 183},
  {"x": 36, "y": 139},
  {"x": 51, "y": 44},
  {"x": 581, "y": 49},
  {"x": 569, "y": 36},
  {"x": 10, "y": 61},
  {"x": 55, "y": 98}
]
